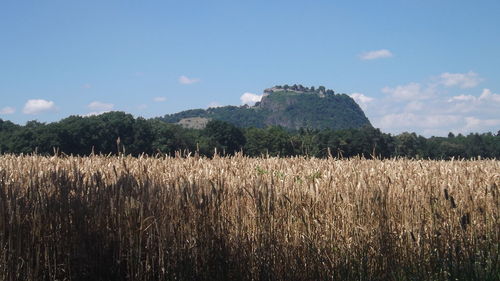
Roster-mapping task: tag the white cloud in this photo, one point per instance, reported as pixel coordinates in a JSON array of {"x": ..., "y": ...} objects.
[
  {"x": 250, "y": 98},
  {"x": 487, "y": 95},
  {"x": 414, "y": 106},
  {"x": 187, "y": 81},
  {"x": 87, "y": 86},
  {"x": 462, "y": 98},
  {"x": 430, "y": 124},
  {"x": 37, "y": 106},
  {"x": 486, "y": 102},
  {"x": 159, "y": 99},
  {"x": 214, "y": 104},
  {"x": 407, "y": 121},
  {"x": 7, "y": 110},
  {"x": 430, "y": 108},
  {"x": 93, "y": 113},
  {"x": 410, "y": 91},
  {"x": 462, "y": 80},
  {"x": 378, "y": 54},
  {"x": 100, "y": 106},
  {"x": 361, "y": 99},
  {"x": 142, "y": 106},
  {"x": 474, "y": 124}
]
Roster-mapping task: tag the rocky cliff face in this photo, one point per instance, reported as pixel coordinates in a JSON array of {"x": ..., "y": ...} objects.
[
  {"x": 275, "y": 109},
  {"x": 270, "y": 103}
]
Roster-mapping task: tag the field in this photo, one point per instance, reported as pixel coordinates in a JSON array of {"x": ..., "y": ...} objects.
[{"x": 238, "y": 218}]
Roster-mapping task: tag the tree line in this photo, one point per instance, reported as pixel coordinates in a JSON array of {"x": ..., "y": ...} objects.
[{"x": 118, "y": 132}]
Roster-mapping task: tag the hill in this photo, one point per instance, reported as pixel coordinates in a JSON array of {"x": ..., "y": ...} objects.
[{"x": 291, "y": 107}]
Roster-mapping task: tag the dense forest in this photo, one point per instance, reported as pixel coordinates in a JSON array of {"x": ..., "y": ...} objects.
[{"x": 118, "y": 132}]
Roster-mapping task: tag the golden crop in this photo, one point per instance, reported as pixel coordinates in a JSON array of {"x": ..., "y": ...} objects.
[{"x": 239, "y": 218}]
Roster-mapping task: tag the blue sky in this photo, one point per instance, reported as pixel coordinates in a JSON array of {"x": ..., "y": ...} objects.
[{"x": 413, "y": 65}]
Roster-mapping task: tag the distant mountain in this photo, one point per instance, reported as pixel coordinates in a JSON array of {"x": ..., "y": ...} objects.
[{"x": 291, "y": 107}]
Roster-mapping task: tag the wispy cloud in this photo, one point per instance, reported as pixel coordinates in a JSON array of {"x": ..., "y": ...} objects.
[
  {"x": 486, "y": 104},
  {"x": 87, "y": 86},
  {"x": 407, "y": 121},
  {"x": 187, "y": 81},
  {"x": 462, "y": 80},
  {"x": 475, "y": 124},
  {"x": 377, "y": 54},
  {"x": 97, "y": 108},
  {"x": 460, "y": 98},
  {"x": 37, "y": 106},
  {"x": 486, "y": 96},
  {"x": 361, "y": 99},
  {"x": 7, "y": 110},
  {"x": 159, "y": 99},
  {"x": 432, "y": 108},
  {"x": 100, "y": 106},
  {"x": 250, "y": 98},
  {"x": 214, "y": 104},
  {"x": 414, "y": 106},
  {"x": 410, "y": 91}
]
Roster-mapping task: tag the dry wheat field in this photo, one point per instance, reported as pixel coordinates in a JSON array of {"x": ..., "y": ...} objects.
[{"x": 239, "y": 218}]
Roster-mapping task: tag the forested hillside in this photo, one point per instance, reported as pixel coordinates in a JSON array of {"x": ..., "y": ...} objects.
[
  {"x": 118, "y": 132},
  {"x": 292, "y": 107}
]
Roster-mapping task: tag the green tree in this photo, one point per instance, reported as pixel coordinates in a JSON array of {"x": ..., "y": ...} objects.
[
  {"x": 224, "y": 136},
  {"x": 143, "y": 137},
  {"x": 256, "y": 142},
  {"x": 407, "y": 145},
  {"x": 170, "y": 138}
]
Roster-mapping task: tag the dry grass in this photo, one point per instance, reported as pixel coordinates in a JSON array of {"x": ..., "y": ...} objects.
[{"x": 123, "y": 218}]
